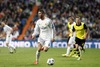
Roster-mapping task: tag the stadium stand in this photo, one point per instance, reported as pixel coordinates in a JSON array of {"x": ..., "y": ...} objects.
[{"x": 58, "y": 10}]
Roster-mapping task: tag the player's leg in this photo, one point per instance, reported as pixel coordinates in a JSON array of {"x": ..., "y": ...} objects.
[
  {"x": 79, "y": 53},
  {"x": 40, "y": 42},
  {"x": 64, "y": 55},
  {"x": 81, "y": 48},
  {"x": 10, "y": 48},
  {"x": 45, "y": 48},
  {"x": 38, "y": 53},
  {"x": 41, "y": 47},
  {"x": 75, "y": 53},
  {"x": 10, "y": 43},
  {"x": 46, "y": 45},
  {"x": 70, "y": 42},
  {"x": 7, "y": 44}
]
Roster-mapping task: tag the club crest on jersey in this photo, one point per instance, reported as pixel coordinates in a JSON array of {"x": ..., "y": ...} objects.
[{"x": 44, "y": 26}]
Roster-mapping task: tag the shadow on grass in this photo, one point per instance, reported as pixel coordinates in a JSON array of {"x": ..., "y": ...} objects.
[{"x": 28, "y": 65}]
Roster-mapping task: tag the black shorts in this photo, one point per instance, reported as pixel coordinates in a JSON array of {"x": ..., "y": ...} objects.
[{"x": 79, "y": 41}]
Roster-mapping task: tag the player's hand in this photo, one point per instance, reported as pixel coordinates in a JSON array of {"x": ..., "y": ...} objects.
[
  {"x": 33, "y": 37},
  {"x": 53, "y": 40},
  {"x": 14, "y": 38},
  {"x": 85, "y": 37},
  {"x": 67, "y": 34},
  {"x": 0, "y": 36}
]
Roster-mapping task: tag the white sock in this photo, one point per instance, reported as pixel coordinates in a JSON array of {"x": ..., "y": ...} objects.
[
  {"x": 11, "y": 45},
  {"x": 68, "y": 50},
  {"x": 80, "y": 51},
  {"x": 37, "y": 55},
  {"x": 10, "y": 49}
]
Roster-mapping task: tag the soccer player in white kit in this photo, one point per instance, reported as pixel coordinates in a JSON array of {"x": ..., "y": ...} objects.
[
  {"x": 7, "y": 30},
  {"x": 45, "y": 28},
  {"x": 71, "y": 39}
]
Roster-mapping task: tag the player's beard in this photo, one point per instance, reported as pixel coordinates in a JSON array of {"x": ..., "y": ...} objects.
[{"x": 42, "y": 17}]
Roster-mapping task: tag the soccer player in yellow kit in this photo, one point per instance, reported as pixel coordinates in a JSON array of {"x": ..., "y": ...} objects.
[{"x": 81, "y": 34}]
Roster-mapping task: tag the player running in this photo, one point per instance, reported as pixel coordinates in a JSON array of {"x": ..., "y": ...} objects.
[
  {"x": 71, "y": 39},
  {"x": 81, "y": 34},
  {"x": 45, "y": 28},
  {"x": 7, "y": 30}
]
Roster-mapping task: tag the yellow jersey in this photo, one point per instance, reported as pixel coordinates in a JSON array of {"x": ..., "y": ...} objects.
[
  {"x": 70, "y": 26},
  {"x": 80, "y": 30}
]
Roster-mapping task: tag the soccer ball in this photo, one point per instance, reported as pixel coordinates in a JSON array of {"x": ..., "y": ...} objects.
[{"x": 50, "y": 61}]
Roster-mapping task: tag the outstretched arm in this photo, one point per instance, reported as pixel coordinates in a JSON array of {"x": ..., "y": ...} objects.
[{"x": 87, "y": 31}]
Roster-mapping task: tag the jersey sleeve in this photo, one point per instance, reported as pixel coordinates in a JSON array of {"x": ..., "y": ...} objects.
[
  {"x": 36, "y": 30},
  {"x": 85, "y": 27},
  {"x": 8, "y": 28}
]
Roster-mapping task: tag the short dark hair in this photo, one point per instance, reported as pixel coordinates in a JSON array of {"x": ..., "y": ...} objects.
[{"x": 41, "y": 10}]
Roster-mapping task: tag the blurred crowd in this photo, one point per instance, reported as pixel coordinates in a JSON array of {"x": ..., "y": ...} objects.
[
  {"x": 58, "y": 10},
  {"x": 15, "y": 12}
]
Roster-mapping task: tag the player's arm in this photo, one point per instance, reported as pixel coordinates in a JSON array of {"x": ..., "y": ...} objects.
[
  {"x": 36, "y": 31},
  {"x": 3, "y": 34},
  {"x": 73, "y": 31},
  {"x": 68, "y": 31},
  {"x": 10, "y": 29},
  {"x": 53, "y": 31},
  {"x": 15, "y": 36},
  {"x": 86, "y": 30}
]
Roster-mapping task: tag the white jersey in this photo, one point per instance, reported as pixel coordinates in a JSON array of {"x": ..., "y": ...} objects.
[
  {"x": 44, "y": 28},
  {"x": 15, "y": 34},
  {"x": 7, "y": 29}
]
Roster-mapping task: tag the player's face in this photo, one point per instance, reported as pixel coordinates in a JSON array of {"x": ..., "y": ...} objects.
[
  {"x": 70, "y": 20},
  {"x": 3, "y": 24},
  {"x": 40, "y": 14},
  {"x": 78, "y": 21}
]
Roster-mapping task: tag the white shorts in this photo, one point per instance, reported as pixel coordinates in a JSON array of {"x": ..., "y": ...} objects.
[
  {"x": 44, "y": 42},
  {"x": 71, "y": 40},
  {"x": 9, "y": 38}
]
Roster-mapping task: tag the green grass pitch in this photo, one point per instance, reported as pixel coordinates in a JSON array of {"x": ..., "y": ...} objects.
[{"x": 24, "y": 57}]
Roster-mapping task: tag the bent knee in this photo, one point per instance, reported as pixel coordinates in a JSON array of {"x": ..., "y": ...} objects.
[{"x": 45, "y": 49}]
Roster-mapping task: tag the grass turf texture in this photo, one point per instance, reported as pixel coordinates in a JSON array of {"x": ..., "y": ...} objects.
[{"x": 24, "y": 57}]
